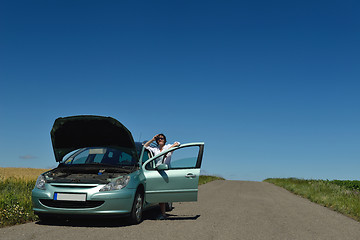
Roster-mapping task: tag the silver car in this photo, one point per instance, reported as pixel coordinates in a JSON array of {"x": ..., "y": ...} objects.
[{"x": 103, "y": 172}]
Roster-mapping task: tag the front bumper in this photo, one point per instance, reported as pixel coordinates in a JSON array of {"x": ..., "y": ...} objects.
[{"x": 107, "y": 203}]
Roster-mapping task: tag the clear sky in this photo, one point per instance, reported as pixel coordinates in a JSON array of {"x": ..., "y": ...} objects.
[{"x": 271, "y": 87}]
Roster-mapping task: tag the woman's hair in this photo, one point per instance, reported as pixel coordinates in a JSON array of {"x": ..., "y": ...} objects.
[{"x": 162, "y": 136}]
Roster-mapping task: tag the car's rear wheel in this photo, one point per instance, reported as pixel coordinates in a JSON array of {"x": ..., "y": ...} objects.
[{"x": 137, "y": 209}]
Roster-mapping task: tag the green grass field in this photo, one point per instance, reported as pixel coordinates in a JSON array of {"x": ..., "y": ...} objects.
[
  {"x": 24, "y": 173},
  {"x": 205, "y": 179},
  {"x": 15, "y": 201},
  {"x": 15, "y": 194},
  {"x": 340, "y": 196}
]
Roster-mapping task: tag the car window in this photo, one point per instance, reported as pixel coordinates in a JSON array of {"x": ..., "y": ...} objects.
[
  {"x": 150, "y": 165},
  {"x": 180, "y": 158},
  {"x": 184, "y": 158},
  {"x": 117, "y": 157},
  {"x": 80, "y": 158},
  {"x": 98, "y": 158},
  {"x": 146, "y": 155},
  {"x": 109, "y": 156}
]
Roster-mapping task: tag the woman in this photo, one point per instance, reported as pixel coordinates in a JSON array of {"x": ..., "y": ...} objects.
[{"x": 161, "y": 141}]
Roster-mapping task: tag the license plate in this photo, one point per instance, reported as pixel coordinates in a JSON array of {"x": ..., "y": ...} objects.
[{"x": 70, "y": 196}]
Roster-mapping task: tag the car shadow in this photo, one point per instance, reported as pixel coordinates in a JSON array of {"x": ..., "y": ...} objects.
[
  {"x": 148, "y": 215},
  {"x": 182, "y": 217},
  {"x": 86, "y": 222},
  {"x": 153, "y": 214}
]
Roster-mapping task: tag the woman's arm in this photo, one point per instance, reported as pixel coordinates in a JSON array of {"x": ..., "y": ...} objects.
[
  {"x": 150, "y": 141},
  {"x": 175, "y": 144}
]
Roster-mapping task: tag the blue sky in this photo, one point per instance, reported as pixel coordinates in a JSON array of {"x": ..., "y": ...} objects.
[{"x": 271, "y": 87}]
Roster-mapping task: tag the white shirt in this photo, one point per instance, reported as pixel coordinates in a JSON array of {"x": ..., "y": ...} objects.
[{"x": 156, "y": 151}]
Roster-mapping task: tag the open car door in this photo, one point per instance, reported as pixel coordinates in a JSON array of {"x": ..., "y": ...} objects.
[{"x": 176, "y": 180}]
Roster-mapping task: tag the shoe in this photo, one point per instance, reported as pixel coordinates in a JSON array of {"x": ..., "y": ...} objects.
[{"x": 161, "y": 217}]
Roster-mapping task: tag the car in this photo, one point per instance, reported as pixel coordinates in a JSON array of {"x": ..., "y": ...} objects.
[{"x": 103, "y": 172}]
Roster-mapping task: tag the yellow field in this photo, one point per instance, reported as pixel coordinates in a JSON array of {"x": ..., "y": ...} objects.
[{"x": 26, "y": 173}]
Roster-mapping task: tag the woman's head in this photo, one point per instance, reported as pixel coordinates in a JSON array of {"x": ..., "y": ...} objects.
[{"x": 160, "y": 139}]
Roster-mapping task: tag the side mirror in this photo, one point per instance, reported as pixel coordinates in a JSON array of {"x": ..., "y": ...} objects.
[{"x": 162, "y": 167}]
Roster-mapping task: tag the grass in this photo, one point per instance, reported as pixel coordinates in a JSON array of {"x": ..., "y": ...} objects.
[
  {"x": 206, "y": 178},
  {"x": 15, "y": 201},
  {"x": 331, "y": 194},
  {"x": 16, "y": 185},
  {"x": 24, "y": 173},
  {"x": 15, "y": 195}
]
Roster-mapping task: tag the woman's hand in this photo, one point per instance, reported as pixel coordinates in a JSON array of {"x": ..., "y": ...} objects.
[
  {"x": 150, "y": 141},
  {"x": 154, "y": 138},
  {"x": 175, "y": 144}
]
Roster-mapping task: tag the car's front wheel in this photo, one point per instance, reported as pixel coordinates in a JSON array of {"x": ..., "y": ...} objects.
[
  {"x": 137, "y": 209},
  {"x": 44, "y": 218}
]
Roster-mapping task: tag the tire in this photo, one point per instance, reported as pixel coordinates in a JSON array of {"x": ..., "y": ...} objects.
[
  {"x": 47, "y": 219},
  {"x": 137, "y": 209},
  {"x": 168, "y": 206}
]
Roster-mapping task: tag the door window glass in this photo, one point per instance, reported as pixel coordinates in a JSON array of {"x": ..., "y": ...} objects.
[
  {"x": 178, "y": 159},
  {"x": 184, "y": 157},
  {"x": 146, "y": 156}
]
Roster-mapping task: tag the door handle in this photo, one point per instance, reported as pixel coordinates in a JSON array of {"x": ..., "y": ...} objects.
[{"x": 190, "y": 175}]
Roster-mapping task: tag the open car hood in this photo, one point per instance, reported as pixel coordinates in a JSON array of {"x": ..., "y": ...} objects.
[{"x": 71, "y": 133}]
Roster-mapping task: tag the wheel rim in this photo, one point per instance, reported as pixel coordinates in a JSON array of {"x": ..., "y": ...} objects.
[{"x": 138, "y": 208}]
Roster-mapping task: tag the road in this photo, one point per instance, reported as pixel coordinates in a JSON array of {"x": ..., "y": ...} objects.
[{"x": 225, "y": 210}]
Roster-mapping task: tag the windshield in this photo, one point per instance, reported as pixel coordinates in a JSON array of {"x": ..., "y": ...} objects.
[{"x": 101, "y": 155}]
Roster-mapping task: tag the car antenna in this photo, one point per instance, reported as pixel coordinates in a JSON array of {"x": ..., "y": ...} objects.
[{"x": 140, "y": 137}]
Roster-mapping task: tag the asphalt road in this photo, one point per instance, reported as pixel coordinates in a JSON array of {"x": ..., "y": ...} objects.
[{"x": 225, "y": 210}]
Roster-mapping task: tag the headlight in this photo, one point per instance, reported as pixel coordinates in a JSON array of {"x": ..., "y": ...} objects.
[
  {"x": 117, "y": 184},
  {"x": 40, "y": 182}
]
